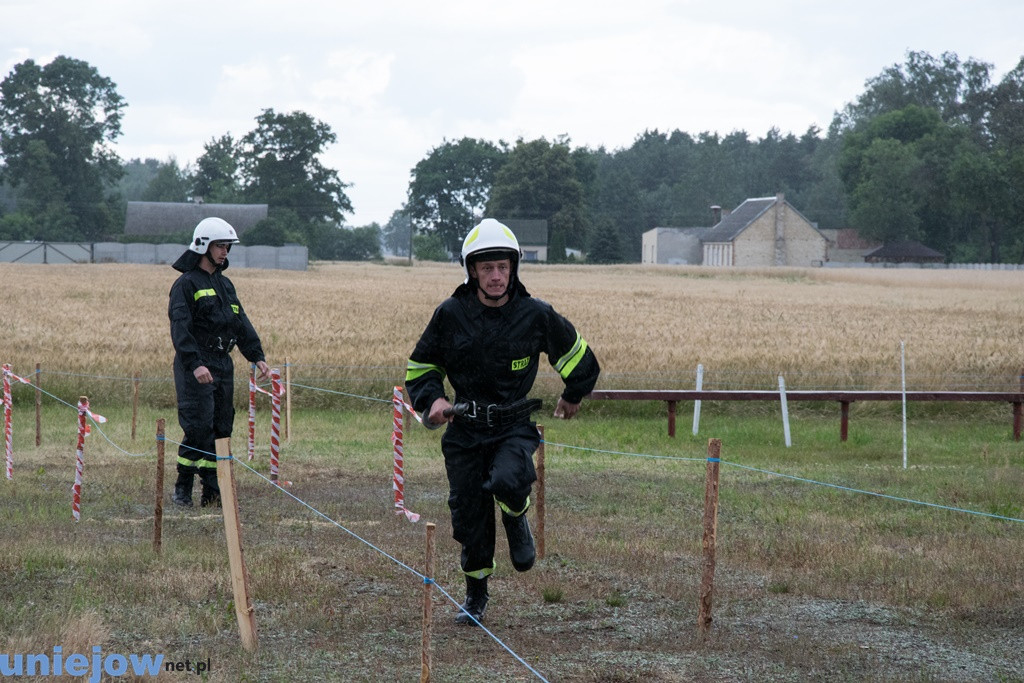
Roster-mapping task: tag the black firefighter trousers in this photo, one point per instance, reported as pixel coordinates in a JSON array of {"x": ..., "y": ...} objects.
[
  {"x": 206, "y": 412},
  {"x": 485, "y": 467}
]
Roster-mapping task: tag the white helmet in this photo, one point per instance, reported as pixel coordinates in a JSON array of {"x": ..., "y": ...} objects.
[
  {"x": 212, "y": 230},
  {"x": 489, "y": 238}
]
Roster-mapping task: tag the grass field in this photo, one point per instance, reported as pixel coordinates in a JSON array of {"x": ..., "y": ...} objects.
[{"x": 814, "y": 582}]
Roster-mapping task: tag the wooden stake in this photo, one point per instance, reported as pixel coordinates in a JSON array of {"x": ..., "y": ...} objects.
[
  {"x": 135, "y": 403},
  {"x": 236, "y": 559},
  {"x": 428, "y": 608},
  {"x": 540, "y": 495},
  {"x": 158, "y": 511},
  {"x": 707, "y": 581},
  {"x": 39, "y": 407}
]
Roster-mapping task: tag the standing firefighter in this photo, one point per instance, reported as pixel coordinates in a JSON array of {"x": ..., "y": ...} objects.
[
  {"x": 487, "y": 338},
  {"x": 207, "y": 321}
]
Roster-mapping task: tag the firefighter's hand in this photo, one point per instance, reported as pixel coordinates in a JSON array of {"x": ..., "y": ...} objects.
[
  {"x": 436, "y": 415},
  {"x": 566, "y": 410},
  {"x": 264, "y": 369},
  {"x": 203, "y": 375}
]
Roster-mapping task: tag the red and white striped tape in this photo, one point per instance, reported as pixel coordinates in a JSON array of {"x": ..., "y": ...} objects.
[
  {"x": 8, "y": 429},
  {"x": 76, "y": 489},
  {"x": 8, "y": 436},
  {"x": 252, "y": 414},
  {"x": 398, "y": 477},
  {"x": 275, "y": 422}
]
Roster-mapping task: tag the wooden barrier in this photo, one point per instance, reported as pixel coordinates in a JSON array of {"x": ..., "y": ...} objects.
[{"x": 844, "y": 398}]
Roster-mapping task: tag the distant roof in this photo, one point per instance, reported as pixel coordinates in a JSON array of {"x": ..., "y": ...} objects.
[
  {"x": 529, "y": 231},
  {"x": 743, "y": 215},
  {"x": 903, "y": 252},
  {"x": 736, "y": 222},
  {"x": 168, "y": 218}
]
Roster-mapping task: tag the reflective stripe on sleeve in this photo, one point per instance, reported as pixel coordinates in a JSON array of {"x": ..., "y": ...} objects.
[
  {"x": 567, "y": 363},
  {"x": 416, "y": 370}
]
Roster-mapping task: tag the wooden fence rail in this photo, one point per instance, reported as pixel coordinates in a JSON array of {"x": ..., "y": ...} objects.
[{"x": 843, "y": 397}]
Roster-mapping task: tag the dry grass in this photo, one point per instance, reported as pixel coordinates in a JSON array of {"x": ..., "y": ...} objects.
[{"x": 834, "y": 327}]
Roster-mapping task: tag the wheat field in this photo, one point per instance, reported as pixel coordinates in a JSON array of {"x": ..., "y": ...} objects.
[{"x": 649, "y": 325}]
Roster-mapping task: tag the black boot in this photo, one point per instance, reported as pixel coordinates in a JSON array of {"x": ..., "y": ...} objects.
[
  {"x": 520, "y": 541},
  {"x": 183, "y": 491},
  {"x": 211, "y": 491},
  {"x": 476, "y": 602}
]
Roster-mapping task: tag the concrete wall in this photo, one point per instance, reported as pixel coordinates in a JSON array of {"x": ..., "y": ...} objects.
[
  {"x": 280, "y": 258},
  {"x": 674, "y": 246}
]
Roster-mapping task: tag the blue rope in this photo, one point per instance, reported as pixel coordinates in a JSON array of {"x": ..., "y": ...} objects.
[
  {"x": 801, "y": 479},
  {"x": 359, "y": 538},
  {"x": 879, "y": 495}
]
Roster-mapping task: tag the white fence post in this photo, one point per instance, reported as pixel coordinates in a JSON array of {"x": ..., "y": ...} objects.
[{"x": 785, "y": 411}]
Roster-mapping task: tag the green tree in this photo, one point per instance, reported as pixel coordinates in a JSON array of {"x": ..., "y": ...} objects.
[
  {"x": 430, "y": 247},
  {"x": 958, "y": 91},
  {"x": 170, "y": 184},
  {"x": 450, "y": 187},
  {"x": 396, "y": 235},
  {"x": 605, "y": 243},
  {"x": 216, "y": 179},
  {"x": 348, "y": 244},
  {"x": 556, "y": 247},
  {"x": 885, "y": 203},
  {"x": 618, "y": 201},
  {"x": 137, "y": 176},
  {"x": 57, "y": 126},
  {"x": 280, "y": 166},
  {"x": 280, "y": 227},
  {"x": 538, "y": 181}
]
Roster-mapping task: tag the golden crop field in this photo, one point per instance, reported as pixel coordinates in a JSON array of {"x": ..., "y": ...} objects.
[{"x": 834, "y": 327}]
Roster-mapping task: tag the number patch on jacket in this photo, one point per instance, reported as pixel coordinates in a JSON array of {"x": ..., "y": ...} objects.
[{"x": 520, "y": 364}]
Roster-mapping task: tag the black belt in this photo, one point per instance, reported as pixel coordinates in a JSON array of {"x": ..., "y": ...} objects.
[
  {"x": 220, "y": 344},
  {"x": 496, "y": 415}
]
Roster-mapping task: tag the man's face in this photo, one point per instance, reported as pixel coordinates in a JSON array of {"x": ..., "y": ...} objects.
[
  {"x": 493, "y": 276},
  {"x": 218, "y": 251}
]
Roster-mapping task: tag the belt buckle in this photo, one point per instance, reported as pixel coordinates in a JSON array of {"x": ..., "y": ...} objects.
[{"x": 491, "y": 408}]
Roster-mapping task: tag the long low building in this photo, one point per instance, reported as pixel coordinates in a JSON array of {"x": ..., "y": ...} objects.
[{"x": 293, "y": 257}]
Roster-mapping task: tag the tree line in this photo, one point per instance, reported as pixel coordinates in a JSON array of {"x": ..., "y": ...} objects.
[{"x": 931, "y": 151}]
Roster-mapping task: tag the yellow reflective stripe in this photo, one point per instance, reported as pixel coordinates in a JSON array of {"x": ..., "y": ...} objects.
[
  {"x": 482, "y": 573},
  {"x": 182, "y": 460},
  {"x": 513, "y": 513},
  {"x": 567, "y": 363},
  {"x": 234, "y": 307},
  {"x": 204, "y": 292},
  {"x": 416, "y": 370}
]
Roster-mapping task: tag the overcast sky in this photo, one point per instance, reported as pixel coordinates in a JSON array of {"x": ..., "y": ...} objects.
[{"x": 394, "y": 80}]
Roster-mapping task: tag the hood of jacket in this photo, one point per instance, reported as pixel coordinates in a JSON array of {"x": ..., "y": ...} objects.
[{"x": 190, "y": 261}]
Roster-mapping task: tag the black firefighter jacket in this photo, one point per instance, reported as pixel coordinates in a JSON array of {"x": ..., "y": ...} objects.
[
  {"x": 205, "y": 314},
  {"x": 490, "y": 354}
]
